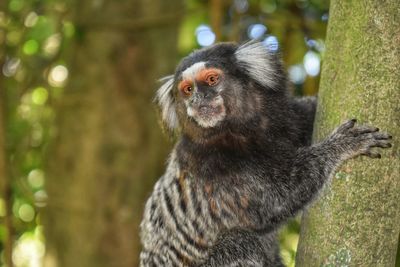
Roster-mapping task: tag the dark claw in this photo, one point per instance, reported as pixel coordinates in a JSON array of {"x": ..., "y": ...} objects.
[
  {"x": 346, "y": 126},
  {"x": 373, "y": 155},
  {"x": 357, "y": 131},
  {"x": 382, "y": 145},
  {"x": 382, "y": 136}
]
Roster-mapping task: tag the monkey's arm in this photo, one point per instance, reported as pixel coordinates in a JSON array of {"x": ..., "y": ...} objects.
[
  {"x": 304, "y": 113},
  {"x": 291, "y": 191},
  {"x": 288, "y": 191}
]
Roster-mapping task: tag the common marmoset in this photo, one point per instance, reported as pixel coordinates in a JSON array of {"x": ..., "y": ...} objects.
[{"x": 244, "y": 162}]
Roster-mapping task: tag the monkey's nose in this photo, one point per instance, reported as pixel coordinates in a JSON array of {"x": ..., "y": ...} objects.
[
  {"x": 207, "y": 95},
  {"x": 203, "y": 108}
]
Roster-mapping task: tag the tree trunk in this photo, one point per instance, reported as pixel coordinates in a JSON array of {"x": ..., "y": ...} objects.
[
  {"x": 5, "y": 180},
  {"x": 108, "y": 149},
  {"x": 357, "y": 221}
]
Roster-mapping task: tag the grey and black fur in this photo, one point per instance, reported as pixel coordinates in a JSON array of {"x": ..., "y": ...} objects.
[{"x": 244, "y": 162}]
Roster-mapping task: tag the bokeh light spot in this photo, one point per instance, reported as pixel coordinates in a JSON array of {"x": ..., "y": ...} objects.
[
  {"x": 40, "y": 198},
  {"x": 16, "y": 5},
  {"x": 39, "y": 96},
  {"x": 271, "y": 43},
  {"x": 10, "y": 67},
  {"x": 205, "y": 36},
  {"x": 52, "y": 44},
  {"x": 256, "y": 31},
  {"x": 26, "y": 212},
  {"x": 311, "y": 63},
  {"x": 31, "y": 19},
  {"x": 311, "y": 43},
  {"x": 30, "y": 47},
  {"x": 297, "y": 74},
  {"x": 58, "y": 76},
  {"x": 36, "y": 178},
  {"x": 29, "y": 250}
]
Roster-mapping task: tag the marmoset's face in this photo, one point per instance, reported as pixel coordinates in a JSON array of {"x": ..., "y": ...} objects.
[
  {"x": 220, "y": 88},
  {"x": 199, "y": 88}
]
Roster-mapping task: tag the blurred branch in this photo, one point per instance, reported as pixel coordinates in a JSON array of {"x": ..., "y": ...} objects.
[
  {"x": 6, "y": 192},
  {"x": 216, "y": 10},
  {"x": 235, "y": 30},
  {"x": 295, "y": 23},
  {"x": 297, "y": 12},
  {"x": 5, "y": 183}
]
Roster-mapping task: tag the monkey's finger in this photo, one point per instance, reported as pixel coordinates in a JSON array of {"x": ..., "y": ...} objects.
[
  {"x": 372, "y": 155},
  {"x": 346, "y": 126},
  {"x": 382, "y": 136},
  {"x": 364, "y": 129},
  {"x": 381, "y": 144}
]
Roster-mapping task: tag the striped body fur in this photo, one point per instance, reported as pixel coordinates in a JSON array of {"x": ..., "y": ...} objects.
[
  {"x": 177, "y": 226},
  {"x": 184, "y": 217},
  {"x": 244, "y": 162}
]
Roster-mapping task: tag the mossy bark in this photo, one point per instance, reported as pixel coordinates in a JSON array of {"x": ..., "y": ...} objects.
[
  {"x": 357, "y": 221},
  {"x": 108, "y": 149}
]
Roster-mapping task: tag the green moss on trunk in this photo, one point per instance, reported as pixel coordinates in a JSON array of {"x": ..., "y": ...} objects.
[{"x": 357, "y": 221}]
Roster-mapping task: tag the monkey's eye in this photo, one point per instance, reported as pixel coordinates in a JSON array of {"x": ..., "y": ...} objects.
[
  {"x": 212, "y": 79},
  {"x": 186, "y": 87},
  {"x": 187, "y": 90}
]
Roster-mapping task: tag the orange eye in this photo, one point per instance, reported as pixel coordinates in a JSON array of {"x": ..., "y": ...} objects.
[
  {"x": 186, "y": 87},
  {"x": 187, "y": 90},
  {"x": 209, "y": 76},
  {"x": 212, "y": 79}
]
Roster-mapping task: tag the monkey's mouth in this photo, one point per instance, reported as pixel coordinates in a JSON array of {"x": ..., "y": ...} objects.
[
  {"x": 209, "y": 114},
  {"x": 207, "y": 111}
]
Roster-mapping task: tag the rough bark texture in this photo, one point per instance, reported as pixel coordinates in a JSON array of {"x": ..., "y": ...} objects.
[
  {"x": 357, "y": 222},
  {"x": 108, "y": 149}
]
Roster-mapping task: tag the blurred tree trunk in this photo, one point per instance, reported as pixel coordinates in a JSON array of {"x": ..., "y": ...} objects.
[
  {"x": 5, "y": 183},
  {"x": 216, "y": 17},
  {"x": 5, "y": 180},
  {"x": 357, "y": 222},
  {"x": 108, "y": 149}
]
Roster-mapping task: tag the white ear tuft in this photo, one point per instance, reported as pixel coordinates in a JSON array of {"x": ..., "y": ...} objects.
[
  {"x": 165, "y": 100},
  {"x": 259, "y": 63}
]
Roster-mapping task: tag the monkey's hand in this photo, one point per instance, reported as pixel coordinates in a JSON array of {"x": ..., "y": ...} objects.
[
  {"x": 311, "y": 168},
  {"x": 351, "y": 140}
]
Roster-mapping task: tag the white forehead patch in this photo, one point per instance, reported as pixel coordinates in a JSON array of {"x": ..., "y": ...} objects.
[{"x": 190, "y": 73}]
